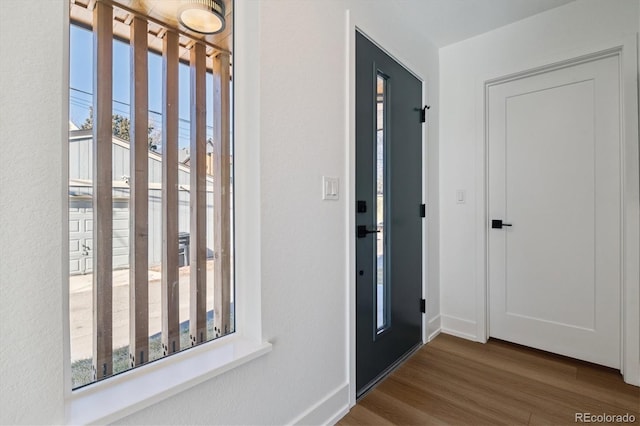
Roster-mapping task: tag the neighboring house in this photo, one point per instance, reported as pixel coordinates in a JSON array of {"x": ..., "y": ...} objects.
[
  {"x": 81, "y": 213},
  {"x": 184, "y": 157}
]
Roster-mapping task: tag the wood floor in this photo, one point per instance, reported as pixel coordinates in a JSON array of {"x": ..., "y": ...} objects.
[{"x": 458, "y": 382}]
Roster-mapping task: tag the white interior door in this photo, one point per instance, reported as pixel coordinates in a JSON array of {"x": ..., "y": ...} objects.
[{"x": 555, "y": 176}]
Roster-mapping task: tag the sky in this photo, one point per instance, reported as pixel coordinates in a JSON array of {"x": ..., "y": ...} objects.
[{"x": 81, "y": 84}]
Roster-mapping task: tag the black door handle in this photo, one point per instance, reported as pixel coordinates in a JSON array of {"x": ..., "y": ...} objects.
[
  {"x": 363, "y": 231},
  {"x": 498, "y": 224}
]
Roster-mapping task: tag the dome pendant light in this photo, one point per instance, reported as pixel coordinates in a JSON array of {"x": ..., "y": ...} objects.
[{"x": 202, "y": 16}]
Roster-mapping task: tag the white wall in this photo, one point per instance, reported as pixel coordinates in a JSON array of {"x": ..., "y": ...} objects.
[
  {"x": 32, "y": 119},
  {"x": 299, "y": 68},
  {"x": 571, "y": 30}
]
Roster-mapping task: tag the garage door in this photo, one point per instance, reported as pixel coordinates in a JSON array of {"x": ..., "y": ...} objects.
[{"x": 81, "y": 239}]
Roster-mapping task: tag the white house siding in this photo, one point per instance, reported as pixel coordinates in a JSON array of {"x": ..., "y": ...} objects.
[{"x": 81, "y": 213}]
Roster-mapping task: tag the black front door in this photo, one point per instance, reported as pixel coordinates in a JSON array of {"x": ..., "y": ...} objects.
[{"x": 388, "y": 219}]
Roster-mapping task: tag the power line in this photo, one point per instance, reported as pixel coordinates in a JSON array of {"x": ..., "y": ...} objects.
[{"x": 89, "y": 104}]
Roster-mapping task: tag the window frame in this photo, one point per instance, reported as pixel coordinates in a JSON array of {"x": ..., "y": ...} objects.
[{"x": 102, "y": 402}]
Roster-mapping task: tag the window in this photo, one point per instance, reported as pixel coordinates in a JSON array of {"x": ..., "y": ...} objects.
[
  {"x": 150, "y": 187},
  {"x": 382, "y": 288}
]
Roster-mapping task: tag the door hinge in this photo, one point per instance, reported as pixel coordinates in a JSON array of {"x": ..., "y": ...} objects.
[
  {"x": 423, "y": 306},
  {"x": 423, "y": 210},
  {"x": 423, "y": 114}
]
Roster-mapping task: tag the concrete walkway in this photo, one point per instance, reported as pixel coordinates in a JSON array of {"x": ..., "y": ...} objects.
[{"x": 81, "y": 307}]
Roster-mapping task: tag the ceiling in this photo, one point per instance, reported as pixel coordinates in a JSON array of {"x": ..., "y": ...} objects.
[
  {"x": 446, "y": 22},
  {"x": 167, "y": 11},
  {"x": 162, "y": 15},
  {"x": 443, "y": 22}
]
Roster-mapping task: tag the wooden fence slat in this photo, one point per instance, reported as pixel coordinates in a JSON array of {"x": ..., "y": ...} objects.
[
  {"x": 102, "y": 192},
  {"x": 222, "y": 195},
  {"x": 170, "y": 279},
  {"x": 139, "y": 198},
  {"x": 198, "y": 223}
]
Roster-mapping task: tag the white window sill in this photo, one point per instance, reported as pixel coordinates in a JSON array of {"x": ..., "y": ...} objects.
[{"x": 126, "y": 393}]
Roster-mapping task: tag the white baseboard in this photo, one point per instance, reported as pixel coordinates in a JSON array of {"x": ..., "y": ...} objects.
[
  {"x": 328, "y": 410},
  {"x": 459, "y": 327},
  {"x": 433, "y": 328},
  {"x": 339, "y": 416}
]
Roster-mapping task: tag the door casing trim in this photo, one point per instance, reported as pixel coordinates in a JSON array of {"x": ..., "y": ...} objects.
[{"x": 626, "y": 51}]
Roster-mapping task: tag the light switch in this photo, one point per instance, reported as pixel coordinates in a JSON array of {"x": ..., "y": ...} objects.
[
  {"x": 330, "y": 188},
  {"x": 461, "y": 196}
]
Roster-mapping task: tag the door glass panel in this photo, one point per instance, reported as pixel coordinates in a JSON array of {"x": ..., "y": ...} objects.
[{"x": 382, "y": 305}]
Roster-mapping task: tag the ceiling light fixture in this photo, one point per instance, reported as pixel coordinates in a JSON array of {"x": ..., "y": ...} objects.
[{"x": 202, "y": 16}]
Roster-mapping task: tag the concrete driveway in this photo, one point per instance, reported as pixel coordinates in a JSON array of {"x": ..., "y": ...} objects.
[{"x": 81, "y": 307}]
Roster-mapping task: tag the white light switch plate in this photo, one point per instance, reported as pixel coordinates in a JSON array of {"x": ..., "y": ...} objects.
[{"x": 330, "y": 188}]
